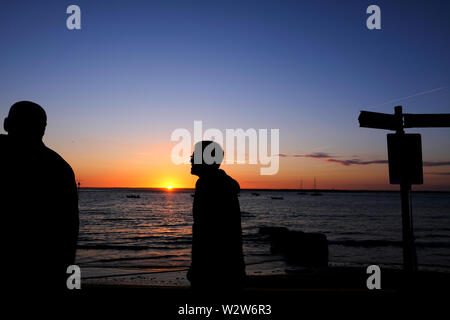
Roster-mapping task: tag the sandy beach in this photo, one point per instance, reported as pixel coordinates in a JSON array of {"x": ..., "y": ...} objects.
[
  {"x": 327, "y": 291},
  {"x": 328, "y": 279}
]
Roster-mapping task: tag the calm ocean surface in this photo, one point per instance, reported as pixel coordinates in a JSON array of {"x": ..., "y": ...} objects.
[{"x": 153, "y": 232}]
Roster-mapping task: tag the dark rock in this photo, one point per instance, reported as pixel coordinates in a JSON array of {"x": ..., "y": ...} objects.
[
  {"x": 306, "y": 249},
  {"x": 272, "y": 230}
]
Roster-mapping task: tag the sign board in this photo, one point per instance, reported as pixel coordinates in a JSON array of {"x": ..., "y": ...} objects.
[
  {"x": 405, "y": 158},
  {"x": 426, "y": 120},
  {"x": 378, "y": 120}
]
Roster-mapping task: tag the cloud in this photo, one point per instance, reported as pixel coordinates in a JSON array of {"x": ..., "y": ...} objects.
[
  {"x": 439, "y": 173},
  {"x": 436, "y": 163},
  {"x": 355, "y": 160},
  {"x": 350, "y": 162},
  {"x": 316, "y": 155},
  {"x": 411, "y": 96}
]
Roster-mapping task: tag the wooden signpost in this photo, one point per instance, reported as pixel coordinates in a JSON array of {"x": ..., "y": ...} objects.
[{"x": 405, "y": 162}]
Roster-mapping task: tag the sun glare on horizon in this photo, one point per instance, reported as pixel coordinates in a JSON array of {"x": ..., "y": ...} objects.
[{"x": 169, "y": 187}]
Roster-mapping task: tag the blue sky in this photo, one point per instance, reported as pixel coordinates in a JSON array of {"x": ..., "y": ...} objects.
[{"x": 140, "y": 69}]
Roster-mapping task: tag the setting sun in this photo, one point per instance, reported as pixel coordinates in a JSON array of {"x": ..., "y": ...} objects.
[{"x": 169, "y": 187}]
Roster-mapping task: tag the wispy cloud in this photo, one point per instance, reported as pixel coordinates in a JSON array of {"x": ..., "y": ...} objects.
[
  {"x": 436, "y": 163},
  {"x": 439, "y": 173},
  {"x": 411, "y": 96},
  {"x": 349, "y": 162},
  {"x": 316, "y": 155},
  {"x": 355, "y": 160}
]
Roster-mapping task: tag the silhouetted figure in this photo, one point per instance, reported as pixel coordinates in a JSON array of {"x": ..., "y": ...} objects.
[
  {"x": 217, "y": 257},
  {"x": 38, "y": 205}
]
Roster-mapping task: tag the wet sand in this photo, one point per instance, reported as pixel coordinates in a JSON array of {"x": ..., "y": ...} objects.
[
  {"x": 333, "y": 284},
  {"x": 331, "y": 278},
  {"x": 324, "y": 292}
]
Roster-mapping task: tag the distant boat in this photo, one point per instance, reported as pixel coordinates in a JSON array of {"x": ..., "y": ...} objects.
[
  {"x": 301, "y": 192},
  {"x": 256, "y": 194},
  {"x": 133, "y": 196},
  {"x": 277, "y": 198},
  {"x": 315, "y": 193}
]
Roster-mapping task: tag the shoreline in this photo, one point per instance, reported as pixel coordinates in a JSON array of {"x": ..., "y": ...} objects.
[
  {"x": 271, "y": 190},
  {"x": 327, "y": 278}
]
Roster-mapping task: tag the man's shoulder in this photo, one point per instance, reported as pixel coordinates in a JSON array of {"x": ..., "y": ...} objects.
[
  {"x": 230, "y": 182},
  {"x": 3, "y": 139},
  {"x": 218, "y": 181},
  {"x": 57, "y": 160},
  {"x": 6, "y": 146}
]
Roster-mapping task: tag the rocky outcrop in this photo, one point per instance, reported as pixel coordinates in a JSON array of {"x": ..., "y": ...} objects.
[{"x": 306, "y": 249}]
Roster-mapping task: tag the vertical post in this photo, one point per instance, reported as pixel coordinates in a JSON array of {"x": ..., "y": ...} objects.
[{"x": 409, "y": 248}]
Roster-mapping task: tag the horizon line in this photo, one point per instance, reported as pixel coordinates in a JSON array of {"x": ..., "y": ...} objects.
[{"x": 270, "y": 189}]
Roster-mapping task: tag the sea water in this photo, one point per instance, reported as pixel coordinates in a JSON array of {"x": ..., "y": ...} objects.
[{"x": 152, "y": 231}]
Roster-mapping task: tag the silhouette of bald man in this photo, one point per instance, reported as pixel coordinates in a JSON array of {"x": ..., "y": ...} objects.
[
  {"x": 39, "y": 204},
  {"x": 217, "y": 256}
]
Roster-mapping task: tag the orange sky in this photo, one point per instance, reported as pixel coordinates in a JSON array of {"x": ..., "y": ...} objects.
[{"x": 127, "y": 166}]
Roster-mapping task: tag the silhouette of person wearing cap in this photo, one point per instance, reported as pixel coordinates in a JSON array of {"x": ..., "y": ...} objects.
[
  {"x": 39, "y": 204},
  {"x": 217, "y": 257}
]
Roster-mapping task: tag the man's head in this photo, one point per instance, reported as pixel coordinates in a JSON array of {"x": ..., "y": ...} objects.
[
  {"x": 26, "y": 121},
  {"x": 207, "y": 157}
]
